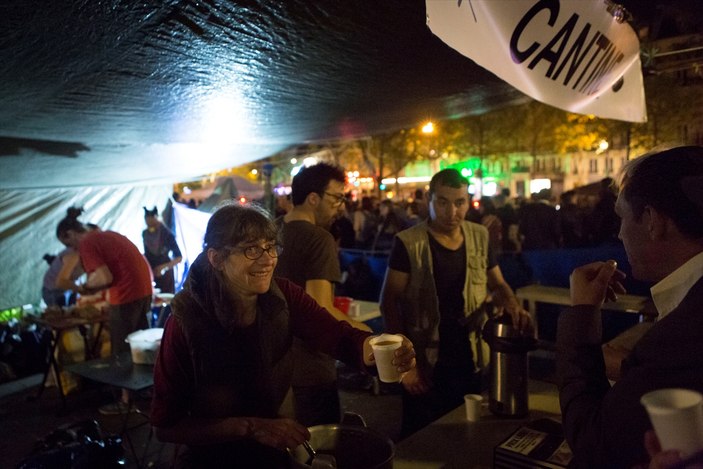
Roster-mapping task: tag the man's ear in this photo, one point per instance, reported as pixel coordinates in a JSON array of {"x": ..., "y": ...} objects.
[
  {"x": 313, "y": 199},
  {"x": 657, "y": 224}
]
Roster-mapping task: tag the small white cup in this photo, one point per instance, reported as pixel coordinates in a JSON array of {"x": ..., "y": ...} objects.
[
  {"x": 677, "y": 418},
  {"x": 384, "y": 347},
  {"x": 472, "y": 402},
  {"x": 354, "y": 310}
]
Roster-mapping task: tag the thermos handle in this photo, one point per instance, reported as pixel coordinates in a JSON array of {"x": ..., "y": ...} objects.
[{"x": 353, "y": 419}]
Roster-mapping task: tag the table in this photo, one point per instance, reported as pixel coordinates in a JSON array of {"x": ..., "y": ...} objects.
[
  {"x": 368, "y": 310},
  {"x": 116, "y": 371},
  {"x": 453, "y": 442},
  {"x": 57, "y": 326},
  {"x": 119, "y": 371},
  {"x": 533, "y": 294}
]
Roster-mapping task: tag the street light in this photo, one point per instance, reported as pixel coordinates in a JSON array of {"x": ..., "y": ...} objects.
[
  {"x": 432, "y": 154},
  {"x": 602, "y": 146}
]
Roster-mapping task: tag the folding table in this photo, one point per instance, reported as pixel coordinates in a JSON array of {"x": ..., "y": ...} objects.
[
  {"x": 119, "y": 371},
  {"x": 58, "y": 325}
]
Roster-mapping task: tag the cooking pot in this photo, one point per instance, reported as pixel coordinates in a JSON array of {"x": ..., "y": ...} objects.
[{"x": 353, "y": 445}]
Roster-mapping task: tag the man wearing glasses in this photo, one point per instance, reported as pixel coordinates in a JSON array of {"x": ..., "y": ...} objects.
[{"x": 309, "y": 259}]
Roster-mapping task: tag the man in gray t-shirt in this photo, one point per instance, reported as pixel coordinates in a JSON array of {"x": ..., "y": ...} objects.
[{"x": 310, "y": 260}]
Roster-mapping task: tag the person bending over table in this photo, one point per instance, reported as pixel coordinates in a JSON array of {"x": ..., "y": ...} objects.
[
  {"x": 113, "y": 263},
  {"x": 225, "y": 363}
]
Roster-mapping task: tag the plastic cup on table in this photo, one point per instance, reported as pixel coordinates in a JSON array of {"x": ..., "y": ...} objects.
[
  {"x": 472, "y": 402},
  {"x": 354, "y": 310},
  {"x": 342, "y": 303}
]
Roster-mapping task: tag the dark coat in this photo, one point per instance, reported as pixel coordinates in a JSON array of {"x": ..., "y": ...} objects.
[{"x": 605, "y": 426}]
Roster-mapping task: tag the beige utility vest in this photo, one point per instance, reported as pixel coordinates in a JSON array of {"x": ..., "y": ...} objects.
[{"x": 420, "y": 303}]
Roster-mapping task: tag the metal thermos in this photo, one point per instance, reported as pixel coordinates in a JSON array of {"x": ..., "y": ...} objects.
[{"x": 508, "y": 369}]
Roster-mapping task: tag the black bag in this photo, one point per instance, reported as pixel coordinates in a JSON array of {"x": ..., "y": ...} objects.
[{"x": 80, "y": 445}]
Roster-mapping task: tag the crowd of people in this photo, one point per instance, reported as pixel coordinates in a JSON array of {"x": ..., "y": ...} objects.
[
  {"x": 256, "y": 317},
  {"x": 575, "y": 220}
]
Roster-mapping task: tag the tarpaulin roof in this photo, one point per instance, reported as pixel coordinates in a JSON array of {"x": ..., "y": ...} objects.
[
  {"x": 120, "y": 91},
  {"x": 130, "y": 96}
]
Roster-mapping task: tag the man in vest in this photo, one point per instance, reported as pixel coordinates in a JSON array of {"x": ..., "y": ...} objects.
[{"x": 439, "y": 276}]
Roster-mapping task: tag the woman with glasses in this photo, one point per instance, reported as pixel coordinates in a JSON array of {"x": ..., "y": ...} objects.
[{"x": 225, "y": 363}]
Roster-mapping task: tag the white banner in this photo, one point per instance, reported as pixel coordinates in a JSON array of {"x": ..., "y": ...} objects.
[{"x": 571, "y": 54}]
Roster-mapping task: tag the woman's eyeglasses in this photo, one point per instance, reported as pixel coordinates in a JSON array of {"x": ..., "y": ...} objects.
[{"x": 254, "y": 252}]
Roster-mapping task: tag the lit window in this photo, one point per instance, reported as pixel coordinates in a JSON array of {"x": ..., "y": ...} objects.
[
  {"x": 490, "y": 188},
  {"x": 593, "y": 165},
  {"x": 537, "y": 185}
]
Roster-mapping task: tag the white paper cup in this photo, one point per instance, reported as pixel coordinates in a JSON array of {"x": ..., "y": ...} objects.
[
  {"x": 677, "y": 418},
  {"x": 384, "y": 347},
  {"x": 354, "y": 310},
  {"x": 472, "y": 402}
]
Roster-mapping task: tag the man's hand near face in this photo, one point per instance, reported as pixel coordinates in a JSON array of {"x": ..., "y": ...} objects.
[{"x": 594, "y": 283}]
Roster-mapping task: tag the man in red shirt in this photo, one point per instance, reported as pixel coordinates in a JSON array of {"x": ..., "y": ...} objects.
[{"x": 114, "y": 263}]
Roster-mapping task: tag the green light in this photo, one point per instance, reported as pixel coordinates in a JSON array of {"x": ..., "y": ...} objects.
[
  {"x": 466, "y": 172},
  {"x": 382, "y": 187},
  {"x": 11, "y": 313}
]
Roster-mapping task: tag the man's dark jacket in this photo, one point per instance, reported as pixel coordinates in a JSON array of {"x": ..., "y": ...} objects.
[{"x": 605, "y": 426}]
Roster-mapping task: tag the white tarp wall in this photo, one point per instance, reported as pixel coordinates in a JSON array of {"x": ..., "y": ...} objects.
[
  {"x": 28, "y": 220},
  {"x": 190, "y": 225}
]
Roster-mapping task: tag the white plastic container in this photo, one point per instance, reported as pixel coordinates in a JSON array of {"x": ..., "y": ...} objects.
[{"x": 145, "y": 344}]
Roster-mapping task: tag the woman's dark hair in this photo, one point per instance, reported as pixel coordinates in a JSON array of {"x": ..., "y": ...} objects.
[
  {"x": 70, "y": 222},
  {"x": 232, "y": 224},
  {"x": 154, "y": 212}
]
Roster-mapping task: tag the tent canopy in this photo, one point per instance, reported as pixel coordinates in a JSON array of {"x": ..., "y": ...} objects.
[
  {"x": 227, "y": 188},
  {"x": 104, "y": 104},
  {"x": 95, "y": 93}
]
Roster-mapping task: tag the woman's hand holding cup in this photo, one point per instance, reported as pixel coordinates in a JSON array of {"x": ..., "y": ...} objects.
[{"x": 393, "y": 354}]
